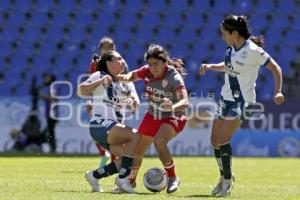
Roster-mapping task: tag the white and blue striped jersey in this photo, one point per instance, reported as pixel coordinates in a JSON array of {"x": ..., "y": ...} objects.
[
  {"x": 241, "y": 71},
  {"x": 109, "y": 101}
]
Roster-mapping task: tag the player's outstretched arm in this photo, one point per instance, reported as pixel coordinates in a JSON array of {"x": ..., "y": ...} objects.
[
  {"x": 220, "y": 67},
  {"x": 277, "y": 74}
]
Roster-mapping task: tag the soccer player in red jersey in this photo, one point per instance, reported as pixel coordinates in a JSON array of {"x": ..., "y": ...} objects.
[{"x": 165, "y": 118}]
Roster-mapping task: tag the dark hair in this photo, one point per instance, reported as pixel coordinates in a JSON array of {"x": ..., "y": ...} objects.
[
  {"x": 101, "y": 61},
  {"x": 240, "y": 24},
  {"x": 158, "y": 52},
  {"x": 108, "y": 40}
]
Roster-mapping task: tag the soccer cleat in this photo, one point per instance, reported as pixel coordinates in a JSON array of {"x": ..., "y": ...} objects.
[
  {"x": 118, "y": 190},
  {"x": 124, "y": 184},
  {"x": 173, "y": 184},
  {"x": 217, "y": 189},
  {"x": 226, "y": 188},
  {"x": 94, "y": 183}
]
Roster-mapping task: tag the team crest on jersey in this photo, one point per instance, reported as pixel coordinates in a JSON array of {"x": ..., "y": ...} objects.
[
  {"x": 164, "y": 83},
  {"x": 244, "y": 54}
]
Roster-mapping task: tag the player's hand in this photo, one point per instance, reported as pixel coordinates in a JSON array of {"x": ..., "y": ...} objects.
[
  {"x": 278, "y": 98},
  {"x": 204, "y": 68},
  {"x": 122, "y": 77},
  {"x": 106, "y": 80},
  {"x": 167, "y": 104}
]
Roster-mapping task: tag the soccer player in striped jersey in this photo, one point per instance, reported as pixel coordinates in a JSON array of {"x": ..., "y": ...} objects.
[
  {"x": 110, "y": 98},
  {"x": 165, "y": 118},
  {"x": 243, "y": 58}
]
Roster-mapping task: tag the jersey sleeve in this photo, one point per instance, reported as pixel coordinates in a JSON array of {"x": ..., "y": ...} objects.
[
  {"x": 132, "y": 91},
  {"x": 95, "y": 76},
  {"x": 177, "y": 81},
  {"x": 261, "y": 57},
  {"x": 141, "y": 72}
]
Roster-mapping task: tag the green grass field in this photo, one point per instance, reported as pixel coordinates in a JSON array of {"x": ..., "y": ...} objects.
[{"x": 62, "y": 178}]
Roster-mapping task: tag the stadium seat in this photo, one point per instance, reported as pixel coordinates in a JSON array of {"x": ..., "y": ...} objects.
[
  {"x": 273, "y": 36},
  {"x": 16, "y": 19},
  {"x": 155, "y": 6},
  {"x": 224, "y": 6},
  {"x": 177, "y": 6},
  {"x": 68, "y": 6},
  {"x": 134, "y": 6},
  {"x": 129, "y": 19},
  {"x": 5, "y": 48},
  {"x": 112, "y": 5},
  {"x": 245, "y": 7},
  {"x": 23, "y": 6},
  {"x": 258, "y": 21},
  {"x": 38, "y": 19},
  {"x": 5, "y": 6},
  {"x": 214, "y": 20},
  {"x": 266, "y": 6},
  {"x": 200, "y": 6},
  {"x": 173, "y": 21},
  {"x": 32, "y": 33},
  {"x": 122, "y": 33},
  {"x": 151, "y": 20},
  {"x": 292, "y": 37},
  {"x": 86, "y": 7},
  {"x": 84, "y": 19},
  {"x": 11, "y": 33},
  {"x": 280, "y": 22},
  {"x": 296, "y": 22},
  {"x": 287, "y": 7},
  {"x": 45, "y": 6},
  {"x": 194, "y": 20}
]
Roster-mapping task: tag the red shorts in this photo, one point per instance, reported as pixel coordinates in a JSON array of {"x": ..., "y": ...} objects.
[{"x": 150, "y": 126}]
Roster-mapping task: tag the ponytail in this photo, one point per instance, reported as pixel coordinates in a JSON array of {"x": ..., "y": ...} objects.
[{"x": 178, "y": 64}]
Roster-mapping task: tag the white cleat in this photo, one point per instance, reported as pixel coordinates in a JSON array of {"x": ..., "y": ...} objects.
[
  {"x": 94, "y": 183},
  {"x": 173, "y": 184},
  {"x": 226, "y": 188},
  {"x": 124, "y": 185},
  {"x": 217, "y": 189}
]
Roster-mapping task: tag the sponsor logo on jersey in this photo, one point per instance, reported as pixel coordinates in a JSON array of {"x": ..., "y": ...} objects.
[{"x": 164, "y": 83}]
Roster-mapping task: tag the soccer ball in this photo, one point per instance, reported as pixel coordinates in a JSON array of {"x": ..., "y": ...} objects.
[{"x": 155, "y": 179}]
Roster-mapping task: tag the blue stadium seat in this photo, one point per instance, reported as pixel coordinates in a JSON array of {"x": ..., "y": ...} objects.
[
  {"x": 122, "y": 34},
  {"x": 187, "y": 35},
  {"x": 200, "y": 6},
  {"x": 16, "y": 19},
  {"x": 106, "y": 19},
  {"x": 245, "y": 7},
  {"x": 296, "y": 22},
  {"x": 178, "y": 6},
  {"x": 280, "y": 22},
  {"x": 25, "y": 48},
  {"x": 258, "y": 22},
  {"x": 60, "y": 18},
  {"x": 68, "y": 6},
  {"x": 144, "y": 33},
  {"x": 77, "y": 34},
  {"x": 55, "y": 34},
  {"x": 24, "y": 6},
  {"x": 48, "y": 48},
  {"x": 174, "y": 20},
  {"x": 5, "y": 6},
  {"x": 292, "y": 37},
  {"x": 266, "y": 6},
  {"x": 214, "y": 20},
  {"x": 156, "y": 6},
  {"x": 83, "y": 19},
  {"x": 5, "y": 49},
  {"x": 273, "y": 36},
  {"x": 32, "y": 33},
  {"x": 194, "y": 20},
  {"x": 210, "y": 35},
  {"x": 151, "y": 19},
  {"x": 165, "y": 35},
  {"x": 45, "y": 6},
  {"x": 224, "y": 6},
  {"x": 11, "y": 33},
  {"x": 287, "y": 7},
  {"x": 88, "y": 6},
  {"x": 38, "y": 18},
  {"x": 129, "y": 19},
  {"x": 134, "y": 6},
  {"x": 112, "y": 5}
]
